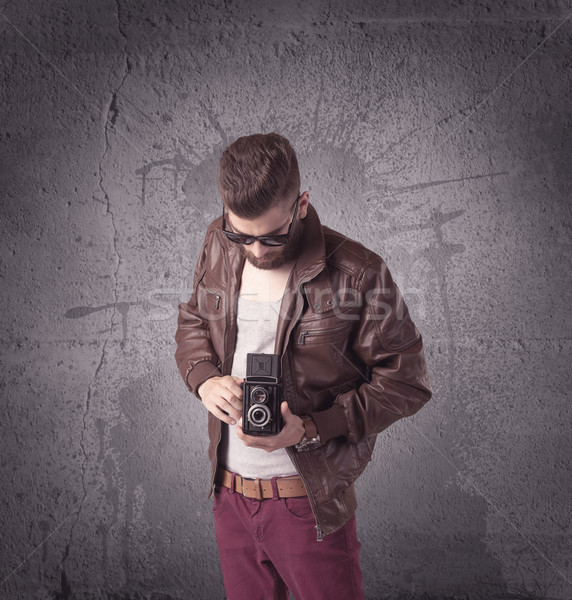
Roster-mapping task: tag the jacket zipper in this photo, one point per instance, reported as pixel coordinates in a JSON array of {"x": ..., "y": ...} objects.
[
  {"x": 319, "y": 531},
  {"x": 225, "y": 345},
  {"x": 309, "y": 332},
  {"x": 213, "y": 476}
]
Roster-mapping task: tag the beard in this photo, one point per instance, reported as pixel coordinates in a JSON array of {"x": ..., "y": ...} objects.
[{"x": 283, "y": 255}]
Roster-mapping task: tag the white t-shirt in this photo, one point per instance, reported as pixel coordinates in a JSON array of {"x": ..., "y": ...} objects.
[{"x": 256, "y": 333}]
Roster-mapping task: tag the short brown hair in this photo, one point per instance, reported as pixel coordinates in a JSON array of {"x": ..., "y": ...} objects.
[{"x": 256, "y": 172}]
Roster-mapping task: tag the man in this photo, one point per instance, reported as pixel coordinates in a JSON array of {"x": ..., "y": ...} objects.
[{"x": 271, "y": 279}]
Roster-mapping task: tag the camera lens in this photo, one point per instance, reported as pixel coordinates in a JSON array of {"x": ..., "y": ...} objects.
[
  {"x": 259, "y": 395},
  {"x": 259, "y": 415}
]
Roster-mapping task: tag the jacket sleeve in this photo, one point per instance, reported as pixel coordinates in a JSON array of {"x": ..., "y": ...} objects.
[
  {"x": 196, "y": 358},
  {"x": 388, "y": 344}
]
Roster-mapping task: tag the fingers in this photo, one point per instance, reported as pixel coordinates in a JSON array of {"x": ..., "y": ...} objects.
[
  {"x": 229, "y": 403},
  {"x": 286, "y": 412},
  {"x": 233, "y": 384},
  {"x": 291, "y": 433},
  {"x": 268, "y": 444},
  {"x": 222, "y": 396},
  {"x": 220, "y": 414}
]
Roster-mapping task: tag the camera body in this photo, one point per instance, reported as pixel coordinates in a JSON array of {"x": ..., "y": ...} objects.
[{"x": 262, "y": 395}]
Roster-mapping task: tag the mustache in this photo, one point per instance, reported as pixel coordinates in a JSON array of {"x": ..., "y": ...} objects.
[{"x": 276, "y": 258}]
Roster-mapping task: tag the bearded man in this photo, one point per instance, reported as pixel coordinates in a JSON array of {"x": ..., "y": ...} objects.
[{"x": 271, "y": 279}]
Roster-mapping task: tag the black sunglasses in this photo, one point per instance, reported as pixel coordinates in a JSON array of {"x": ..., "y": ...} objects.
[{"x": 265, "y": 240}]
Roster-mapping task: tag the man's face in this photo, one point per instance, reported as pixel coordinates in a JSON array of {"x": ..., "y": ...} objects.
[
  {"x": 274, "y": 258},
  {"x": 274, "y": 222}
]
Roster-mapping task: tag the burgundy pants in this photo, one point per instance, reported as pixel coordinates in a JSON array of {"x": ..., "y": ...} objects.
[{"x": 268, "y": 547}]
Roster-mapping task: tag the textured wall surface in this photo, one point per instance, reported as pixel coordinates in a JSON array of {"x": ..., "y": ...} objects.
[{"x": 436, "y": 133}]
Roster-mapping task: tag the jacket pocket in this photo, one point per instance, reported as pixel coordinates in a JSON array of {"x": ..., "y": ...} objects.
[
  {"x": 321, "y": 335},
  {"x": 362, "y": 452},
  {"x": 214, "y": 298},
  {"x": 210, "y": 298}
]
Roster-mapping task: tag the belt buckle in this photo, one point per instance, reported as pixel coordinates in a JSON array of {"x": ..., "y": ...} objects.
[
  {"x": 242, "y": 480},
  {"x": 257, "y": 487}
]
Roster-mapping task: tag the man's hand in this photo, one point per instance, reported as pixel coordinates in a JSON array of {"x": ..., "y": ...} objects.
[
  {"x": 222, "y": 396},
  {"x": 292, "y": 432}
]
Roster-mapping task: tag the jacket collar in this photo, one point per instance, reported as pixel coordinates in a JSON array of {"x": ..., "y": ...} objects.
[
  {"x": 313, "y": 256},
  {"x": 311, "y": 267}
]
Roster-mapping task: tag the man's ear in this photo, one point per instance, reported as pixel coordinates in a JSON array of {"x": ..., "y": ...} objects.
[{"x": 303, "y": 205}]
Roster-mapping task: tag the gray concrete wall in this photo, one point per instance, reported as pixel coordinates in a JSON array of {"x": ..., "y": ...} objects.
[{"x": 437, "y": 133}]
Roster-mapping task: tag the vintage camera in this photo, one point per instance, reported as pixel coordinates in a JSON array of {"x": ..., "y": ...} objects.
[{"x": 262, "y": 395}]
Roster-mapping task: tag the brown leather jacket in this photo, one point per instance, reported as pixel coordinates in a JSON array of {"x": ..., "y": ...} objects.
[{"x": 351, "y": 356}]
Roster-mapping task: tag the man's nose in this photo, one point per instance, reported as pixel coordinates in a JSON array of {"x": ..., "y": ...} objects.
[{"x": 258, "y": 249}]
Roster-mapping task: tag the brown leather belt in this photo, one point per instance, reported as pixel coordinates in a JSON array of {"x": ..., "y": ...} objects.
[{"x": 286, "y": 487}]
